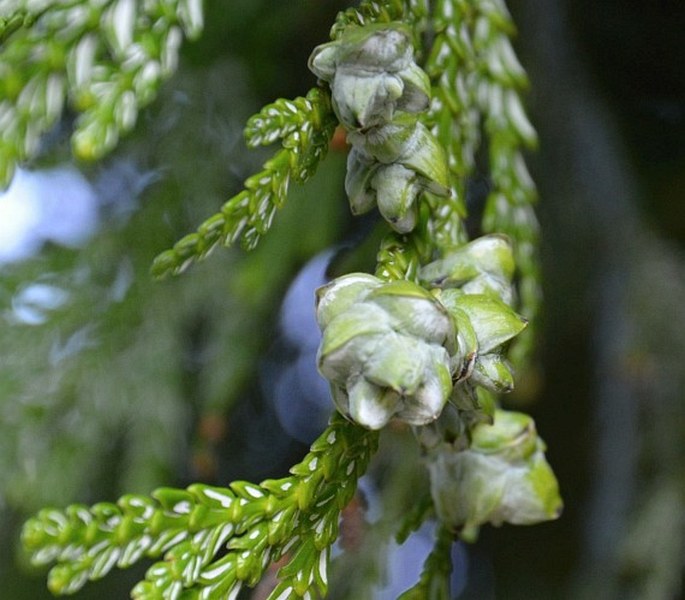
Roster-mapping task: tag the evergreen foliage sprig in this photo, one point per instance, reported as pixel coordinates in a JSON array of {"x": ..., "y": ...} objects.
[
  {"x": 477, "y": 89},
  {"x": 509, "y": 207},
  {"x": 106, "y": 60},
  {"x": 295, "y": 518},
  {"x": 368, "y": 11},
  {"x": 305, "y": 126}
]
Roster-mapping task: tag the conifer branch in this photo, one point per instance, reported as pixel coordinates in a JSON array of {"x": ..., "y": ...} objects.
[
  {"x": 106, "y": 60},
  {"x": 368, "y": 11},
  {"x": 295, "y": 517},
  {"x": 510, "y": 205},
  {"x": 306, "y": 126},
  {"x": 477, "y": 81}
]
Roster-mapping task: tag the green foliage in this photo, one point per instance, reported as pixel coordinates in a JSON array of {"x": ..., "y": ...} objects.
[
  {"x": 368, "y": 11},
  {"x": 296, "y": 517},
  {"x": 415, "y": 117},
  {"x": 105, "y": 59},
  {"x": 478, "y": 80},
  {"x": 306, "y": 126}
]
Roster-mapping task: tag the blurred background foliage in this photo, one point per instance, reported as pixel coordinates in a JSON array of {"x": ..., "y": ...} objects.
[{"x": 124, "y": 384}]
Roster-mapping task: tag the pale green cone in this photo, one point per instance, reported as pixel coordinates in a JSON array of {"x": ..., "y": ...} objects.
[
  {"x": 365, "y": 101},
  {"x": 372, "y": 73},
  {"x": 408, "y": 142},
  {"x": 389, "y": 142},
  {"x": 383, "y": 350},
  {"x": 391, "y": 165},
  {"x": 485, "y": 265},
  {"x": 503, "y": 477},
  {"x": 377, "y": 90}
]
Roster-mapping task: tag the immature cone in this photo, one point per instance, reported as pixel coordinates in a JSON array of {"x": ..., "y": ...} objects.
[
  {"x": 377, "y": 90},
  {"x": 384, "y": 350},
  {"x": 372, "y": 73},
  {"x": 483, "y": 266},
  {"x": 476, "y": 289},
  {"x": 502, "y": 477},
  {"x": 390, "y": 166}
]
